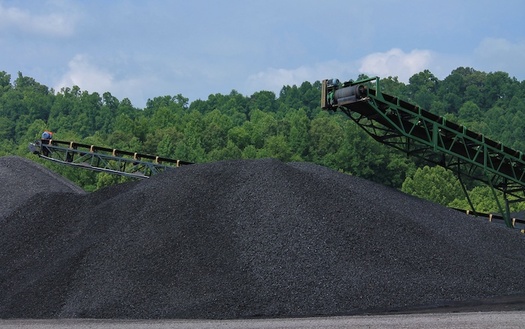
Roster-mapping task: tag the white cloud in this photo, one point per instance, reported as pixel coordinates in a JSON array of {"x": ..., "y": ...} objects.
[
  {"x": 274, "y": 79},
  {"x": 53, "y": 24},
  {"x": 498, "y": 54},
  {"x": 85, "y": 75},
  {"x": 395, "y": 62}
]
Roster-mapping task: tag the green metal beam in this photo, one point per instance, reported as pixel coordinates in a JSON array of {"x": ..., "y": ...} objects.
[{"x": 420, "y": 133}]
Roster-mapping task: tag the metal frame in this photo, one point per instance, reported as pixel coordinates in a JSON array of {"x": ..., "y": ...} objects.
[
  {"x": 420, "y": 133},
  {"x": 102, "y": 159}
]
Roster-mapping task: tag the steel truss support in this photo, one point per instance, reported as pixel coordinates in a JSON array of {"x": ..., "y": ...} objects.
[
  {"x": 465, "y": 191},
  {"x": 103, "y": 159},
  {"x": 420, "y": 133}
]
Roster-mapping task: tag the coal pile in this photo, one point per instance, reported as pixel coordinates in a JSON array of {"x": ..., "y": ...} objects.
[
  {"x": 238, "y": 239},
  {"x": 21, "y": 179}
]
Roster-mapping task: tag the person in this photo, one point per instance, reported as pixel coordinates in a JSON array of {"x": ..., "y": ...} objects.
[{"x": 47, "y": 135}]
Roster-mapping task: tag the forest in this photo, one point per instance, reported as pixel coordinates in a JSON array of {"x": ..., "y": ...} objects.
[{"x": 289, "y": 126}]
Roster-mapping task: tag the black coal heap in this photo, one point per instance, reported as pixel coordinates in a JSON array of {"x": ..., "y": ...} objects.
[{"x": 238, "y": 239}]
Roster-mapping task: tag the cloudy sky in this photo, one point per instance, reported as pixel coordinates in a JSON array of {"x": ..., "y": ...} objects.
[{"x": 142, "y": 49}]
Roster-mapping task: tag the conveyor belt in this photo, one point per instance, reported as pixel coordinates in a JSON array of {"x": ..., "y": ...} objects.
[
  {"x": 97, "y": 158},
  {"x": 418, "y": 132}
]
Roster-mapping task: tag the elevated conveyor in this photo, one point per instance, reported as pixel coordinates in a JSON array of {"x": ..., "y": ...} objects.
[
  {"x": 97, "y": 158},
  {"x": 420, "y": 133}
]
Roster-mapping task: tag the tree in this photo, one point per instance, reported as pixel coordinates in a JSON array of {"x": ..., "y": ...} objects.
[
  {"x": 249, "y": 152},
  {"x": 422, "y": 88},
  {"x": 277, "y": 147},
  {"x": 435, "y": 184},
  {"x": 5, "y": 82},
  {"x": 483, "y": 200},
  {"x": 472, "y": 117},
  {"x": 498, "y": 89},
  {"x": 264, "y": 101},
  {"x": 166, "y": 146},
  {"x": 105, "y": 179},
  {"x": 299, "y": 138},
  {"x": 290, "y": 96},
  {"x": 362, "y": 156},
  {"x": 229, "y": 152},
  {"x": 215, "y": 134},
  {"x": 6, "y": 128},
  {"x": 239, "y": 137},
  {"x": 392, "y": 86},
  {"x": 291, "y": 127},
  {"x": 175, "y": 103},
  {"x": 326, "y": 137},
  {"x": 452, "y": 89},
  {"x": 261, "y": 126}
]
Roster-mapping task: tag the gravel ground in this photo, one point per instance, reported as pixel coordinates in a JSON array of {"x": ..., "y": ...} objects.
[
  {"x": 485, "y": 320},
  {"x": 244, "y": 239}
]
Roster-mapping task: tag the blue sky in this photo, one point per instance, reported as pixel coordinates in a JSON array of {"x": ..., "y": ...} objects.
[{"x": 143, "y": 49}]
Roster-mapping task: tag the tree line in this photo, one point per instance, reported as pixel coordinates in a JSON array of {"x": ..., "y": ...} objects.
[{"x": 289, "y": 126}]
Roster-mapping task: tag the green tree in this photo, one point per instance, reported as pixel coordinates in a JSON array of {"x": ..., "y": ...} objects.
[
  {"x": 483, "y": 200},
  {"x": 261, "y": 126},
  {"x": 326, "y": 137},
  {"x": 6, "y": 128},
  {"x": 392, "y": 86},
  {"x": 249, "y": 152},
  {"x": 435, "y": 184},
  {"x": 264, "y": 101},
  {"x": 239, "y": 136},
  {"x": 5, "y": 82},
  {"x": 278, "y": 148},
  {"x": 229, "y": 152},
  {"x": 215, "y": 134},
  {"x": 105, "y": 179},
  {"x": 291, "y": 127},
  {"x": 168, "y": 140},
  {"x": 422, "y": 88},
  {"x": 299, "y": 139}
]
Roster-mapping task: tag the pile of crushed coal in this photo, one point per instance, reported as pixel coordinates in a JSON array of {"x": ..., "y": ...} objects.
[
  {"x": 21, "y": 178},
  {"x": 241, "y": 239}
]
